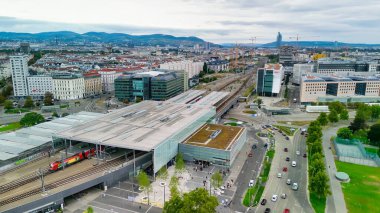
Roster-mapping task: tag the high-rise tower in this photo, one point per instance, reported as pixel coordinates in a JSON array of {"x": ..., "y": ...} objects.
[{"x": 279, "y": 40}]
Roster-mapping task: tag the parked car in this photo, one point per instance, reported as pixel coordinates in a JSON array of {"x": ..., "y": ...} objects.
[
  {"x": 274, "y": 198},
  {"x": 294, "y": 164},
  {"x": 295, "y": 186},
  {"x": 254, "y": 146},
  {"x": 285, "y": 169},
  {"x": 251, "y": 182},
  {"x": 287, "y": 138},
  {"x": 263, "y": 202},
  {"x": 267, "y": 210},
  {"x": 287, "y": 159},
  {"x": 279, "y": 175},
  {"x": 286, "y": 211},
  {"x": 250, "y": 154},
  {"x": 288, "y": 182},
  {"x": 298, "y": 153},
  {"x": 304, "y": 155},
  {"x": 285, "y": 149}
]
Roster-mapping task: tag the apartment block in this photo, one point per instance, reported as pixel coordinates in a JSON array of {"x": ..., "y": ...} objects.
[
  {"x": 38, "y": 85},
  {"x": 92, "y": 84},
  {"x": 19, "y": 68},
  {"x": 68, "y": 86}
]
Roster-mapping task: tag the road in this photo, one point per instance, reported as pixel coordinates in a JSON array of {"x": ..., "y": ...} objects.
[
  {"x": 335, "y": 202},
  {"x": 248, "y": 172},
  {"x": 296, "y": 201}
]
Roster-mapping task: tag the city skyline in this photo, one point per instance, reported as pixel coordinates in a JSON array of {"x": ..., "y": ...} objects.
[{"x": 217, "y": 21}]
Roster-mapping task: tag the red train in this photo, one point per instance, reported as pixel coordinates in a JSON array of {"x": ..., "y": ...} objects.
[{"x": 57, "y": 165}]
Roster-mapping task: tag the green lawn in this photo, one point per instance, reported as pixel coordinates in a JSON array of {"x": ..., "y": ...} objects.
[
  {"x": 16, "y": 111},
  {"x": 286, "y": 130},
  {"x": 371, "y": 150},
  {"x": 258, "y": 195},
  {"x": 250, "y": 111},
  {"x": 250, "y": 192},
  {"x": 231, "y": 124},
  {"x": 363, "y": 191},
  {"x": 319, "y": 205},
  {"x": 10, "y": 127}
]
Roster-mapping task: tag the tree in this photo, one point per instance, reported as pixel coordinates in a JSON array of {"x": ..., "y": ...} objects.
[
  {"x": 31, "y": 119},
  {"x": 333, "y": 116},
  {"x": 216, "y": 180},
  {"x": 205, "y": 68},
  {"x": 316, "y": 166},
  {"x": 179, "y": 163},
  {"x": 197, "y": 200},
  {"x": 286, "y": 92},
  {"x": 336, "y": 106},
  {"x": 322, "y": 119},
  {"x": 55, "y": 114},
  {"x": 359, "y": 122},
  {"x": 344, "y": 115},
  {"x": 29, "y": 102},
  {"x": 2, "y": 99},
  {"x": 375, "y": 109},
  {"x": 143, "y": 180},
  {"x": 319, "y": 184},
  {"x": 48, "y": 99},
  {"x": 259, "y": 102},
  {"x": 345, "y": 133},
  {"x": 89, "y": 210},
  {"x": 7, "y": 91},
  {"x": 173, "y": 185},
  {"x": 374, "y": 134},
  {"x": 316, "y": 148},
  {"x": 316, "y": 156},
  {"x": 163, "y": 173},
  {"x": 8, "y": 104}
]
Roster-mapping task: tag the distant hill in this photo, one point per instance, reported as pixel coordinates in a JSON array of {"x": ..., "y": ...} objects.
[
  {"x": 68, "y": 36},
  {"x": 320, "y": 44}
]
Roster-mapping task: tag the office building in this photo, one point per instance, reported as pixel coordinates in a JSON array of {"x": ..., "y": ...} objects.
[
  {"x": 321, "y": 88},
  {"x": 38, "y": 85},
  {"x": 300, "y": 70},
  {"x": 286, "y": 54},
  {"x": 92, "y": 84},
  {"x": 19, "y": 68},
  {"x": 344, "y": 67},
  {"x": 152, "y": 85},
  {"x": 269, "y": 78},
  {"x": 68, "y": 86}
]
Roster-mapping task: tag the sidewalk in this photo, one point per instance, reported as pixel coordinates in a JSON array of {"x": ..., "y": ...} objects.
[{"x": 335, "y": 202}]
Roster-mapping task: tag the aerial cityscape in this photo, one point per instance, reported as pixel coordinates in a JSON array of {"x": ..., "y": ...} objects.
[{"x": 186, "y": 106}]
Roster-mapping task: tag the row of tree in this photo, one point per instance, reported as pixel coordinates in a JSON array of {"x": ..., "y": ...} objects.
[{"x": 318, "y": 183}]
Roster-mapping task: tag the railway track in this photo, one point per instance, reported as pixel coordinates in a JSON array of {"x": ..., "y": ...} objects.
[
  {"x": 61, "y": 182},
  {"x": 22, "y": 181}
]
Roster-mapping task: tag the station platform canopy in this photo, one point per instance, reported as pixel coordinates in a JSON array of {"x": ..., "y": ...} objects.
[{"x": 142, "y": 126}]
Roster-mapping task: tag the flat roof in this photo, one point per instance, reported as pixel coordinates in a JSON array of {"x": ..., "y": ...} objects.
[
  {"x": 212, "y": 98},
  {"x": 186, "y": 96},
  {"x": 223, "y": 140},
  {"x": 142, "y": 126},
  {"x": 14, "y": 143}
]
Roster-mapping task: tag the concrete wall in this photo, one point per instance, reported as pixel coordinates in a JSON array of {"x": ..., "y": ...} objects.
[{"x": 107, "y": 179}]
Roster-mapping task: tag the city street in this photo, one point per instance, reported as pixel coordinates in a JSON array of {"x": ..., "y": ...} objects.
[{"x": 296, "y": 201}]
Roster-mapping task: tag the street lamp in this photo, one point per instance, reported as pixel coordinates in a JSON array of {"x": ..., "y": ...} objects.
[{"x": 163, "y": 184}]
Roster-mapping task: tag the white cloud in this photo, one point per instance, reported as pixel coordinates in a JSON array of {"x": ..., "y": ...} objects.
[{"x": 213, "y": 20}]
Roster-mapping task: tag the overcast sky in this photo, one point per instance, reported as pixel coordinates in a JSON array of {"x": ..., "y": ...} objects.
[{"x": 218, "y": 21}]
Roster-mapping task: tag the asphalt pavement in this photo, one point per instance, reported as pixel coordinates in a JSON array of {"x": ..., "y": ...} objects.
[{"x": 296, "y": 201}]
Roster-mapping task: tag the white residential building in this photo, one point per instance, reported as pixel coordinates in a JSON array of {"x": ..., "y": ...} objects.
[
  {"x": 191, "y": 67},
  {"x": 68, "y": 86},
  {"x": 38, "y": 85},
  {"x": 108, "y": 79},
  {"x": 19, "y": 68}
]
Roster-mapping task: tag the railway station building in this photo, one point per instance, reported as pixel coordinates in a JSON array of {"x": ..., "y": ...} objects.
[{"x": 216, "y": 144}]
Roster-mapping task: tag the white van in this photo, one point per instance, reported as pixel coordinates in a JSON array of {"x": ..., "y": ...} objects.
[{"x": 294, "y": 163}]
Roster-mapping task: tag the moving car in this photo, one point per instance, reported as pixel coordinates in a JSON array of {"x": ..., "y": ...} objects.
[
  {"x": 250, "y": 154},
  {"x": 287, "y": 138},
  {"x": 297, "y": 152},
  {"x": 285, "y": 169},
  {"x": 287, "y": 159},
  {"x": 304, "y": 155},
  {"x": 295, "y": 186},
  {"x": 267, "y": 210},
  {"x": 263, "y": 202},
  {"x": 279, "y": 175},
  {"x": 294, "y": 164},
  {"x": 274, "y": 198},
  {"x": 283, "y": 196},
  {"x": 286, "y": 211},
  {"x": 288, "y": 182},
  {"x": 251, "y": 182},
  {"x": 285, "y": 149}
]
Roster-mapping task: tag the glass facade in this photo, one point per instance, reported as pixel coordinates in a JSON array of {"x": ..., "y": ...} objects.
[
  {"x": 169, "y": 148},
  {"x": 332, "y": 89},
  {"x": 360, "y": 88}
]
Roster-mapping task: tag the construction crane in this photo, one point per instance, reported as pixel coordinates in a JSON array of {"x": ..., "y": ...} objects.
[
  {"x": 297, "y": 38},
  {"x": 253, "y": 40}
]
